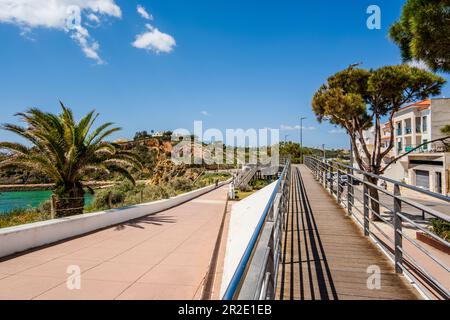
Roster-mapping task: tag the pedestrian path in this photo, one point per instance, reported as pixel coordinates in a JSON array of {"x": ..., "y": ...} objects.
[{"x": 161, "y": 256}]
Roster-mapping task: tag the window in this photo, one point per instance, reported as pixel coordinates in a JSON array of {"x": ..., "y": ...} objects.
[
  {"x": 399, "y": 128},
  {"x": 424, "y": 124},
  {"x": 399, "y": 146},
  {"x": 418, "y": 125},
  {"x": 425, "y": 147}
]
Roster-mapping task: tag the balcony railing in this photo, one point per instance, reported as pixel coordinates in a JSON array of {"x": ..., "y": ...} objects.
[
  {"x": 429, "y": 148},
  {"x": 408, "y": 131}
]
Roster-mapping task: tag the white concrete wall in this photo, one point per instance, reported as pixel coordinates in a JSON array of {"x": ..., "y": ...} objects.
[
  {"x": 397, "y": 171},
  {"x": 245, "y": 216},
  {"x": 24, "y": 237},
  {"x": 440, "y": 116}
]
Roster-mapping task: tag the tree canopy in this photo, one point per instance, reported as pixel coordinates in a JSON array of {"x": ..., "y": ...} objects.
[
  {"x": 446, "y": 129},
  {"x": 423, "y": 33},
  {"x": 357, "y": 99},
  {"x": 140, "y": 135}
]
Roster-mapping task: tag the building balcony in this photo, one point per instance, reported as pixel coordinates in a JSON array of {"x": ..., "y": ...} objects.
[
  {"x": 408, "y": 131},
  {"x": 429, "y": 148}
]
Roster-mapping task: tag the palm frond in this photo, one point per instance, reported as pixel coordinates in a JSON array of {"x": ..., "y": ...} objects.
[
  {"x": 97, "y": 132},
  {"x": 65, "y": 150},
  {"x": 122, "y": 171},
  {"x": 14, "y": 147},
  {"x": 102, "y": 136}
]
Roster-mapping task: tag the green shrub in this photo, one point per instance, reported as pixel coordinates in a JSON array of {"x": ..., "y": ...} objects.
[
  {"x": 101, "y": 199},
  {"x": 23, "y": 216},
  {"x": 181, "y": 184},
  {"x": 208, "y": 179},
  {"x": 245, "y": 188},
  {"x": 158, "y": 192},
  {"x": 260, "y": 183},
  {"x": 441, "y": 228},
  {"x": 118, "y": 194}
]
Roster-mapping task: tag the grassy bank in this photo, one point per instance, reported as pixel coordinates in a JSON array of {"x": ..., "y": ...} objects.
[
  {"x": 123, "y": 194},
  {"x": 17, "y": 217},
  {"x": 254, "y": 186}
]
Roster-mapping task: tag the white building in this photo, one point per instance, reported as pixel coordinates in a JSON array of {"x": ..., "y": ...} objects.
[{"x": 428, "y": 166}]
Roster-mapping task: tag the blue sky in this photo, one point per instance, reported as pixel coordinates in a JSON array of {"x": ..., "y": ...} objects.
[{"x": 247, "y": 63}]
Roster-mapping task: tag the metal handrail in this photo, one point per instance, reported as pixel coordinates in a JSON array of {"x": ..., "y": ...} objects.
[
  {"x": 401, "y": 184},
  {"x": 325, "y": 171},
  {"x": 239, "y": 276},
  {"x": 410, "y": 202}
]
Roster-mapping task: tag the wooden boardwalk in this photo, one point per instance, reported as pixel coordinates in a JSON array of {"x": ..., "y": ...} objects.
[{"x": 325, "y": 255}]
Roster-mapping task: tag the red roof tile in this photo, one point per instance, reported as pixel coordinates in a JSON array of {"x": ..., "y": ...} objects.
[{"x": 423, "y": 105}]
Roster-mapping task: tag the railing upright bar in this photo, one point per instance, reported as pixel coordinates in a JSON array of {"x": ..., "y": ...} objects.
[
  {"x": 366, "y": 210},
  {"x": 350, "y": 201},
  {"x": 398, "y": 230},
  {"x": 338, "y": 188}
]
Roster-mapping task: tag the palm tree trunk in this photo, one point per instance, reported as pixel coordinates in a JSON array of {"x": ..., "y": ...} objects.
[{"x": 69, "y": 202}]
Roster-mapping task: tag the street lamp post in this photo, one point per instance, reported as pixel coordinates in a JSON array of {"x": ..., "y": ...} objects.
[{"x": 301, "y": 138}]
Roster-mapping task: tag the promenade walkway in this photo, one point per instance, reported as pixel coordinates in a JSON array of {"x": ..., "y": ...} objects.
[
  {"x": 325, "y": 255},
  {"x": 161, "y": 256}
]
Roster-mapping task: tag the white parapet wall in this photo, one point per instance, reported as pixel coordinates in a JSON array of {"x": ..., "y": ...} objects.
[
  {"x": 244, "y": 218},
  {"x": 33, "y": 235}
]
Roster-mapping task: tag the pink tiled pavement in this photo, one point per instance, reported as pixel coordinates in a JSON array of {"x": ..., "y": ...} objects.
[{"x": 161, "y": 256}]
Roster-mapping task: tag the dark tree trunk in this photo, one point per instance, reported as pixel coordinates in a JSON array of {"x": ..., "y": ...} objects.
[
  {"x": 69, "y": 202},
  {"x": 374, "y": 201}
]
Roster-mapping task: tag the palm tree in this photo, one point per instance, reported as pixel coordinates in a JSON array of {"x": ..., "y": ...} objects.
[{"x": 67, "y": 152}]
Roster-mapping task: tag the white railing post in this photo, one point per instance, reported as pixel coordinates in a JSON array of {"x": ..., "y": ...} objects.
[{"x": 331, "y": 184}]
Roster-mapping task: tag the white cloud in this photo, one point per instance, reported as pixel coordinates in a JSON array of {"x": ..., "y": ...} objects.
[
  {"x": 419, "y": 64},
  {"x": 337, "y": 131},
  {"x": 64, "y": 15},
  {"x": 143, "y": 13},
  {"x": 205, "y": 113},
  {"x": 154, "y": 40},
  {"x": 92, "y": 17},
  {"x": 297, "y": 127}
]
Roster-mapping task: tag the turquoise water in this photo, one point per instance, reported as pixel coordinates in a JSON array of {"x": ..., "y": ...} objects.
[{"x": 26, "y": 199}]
